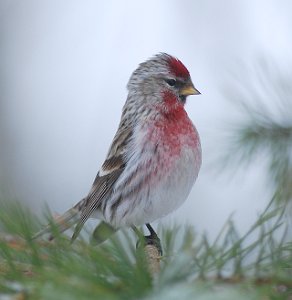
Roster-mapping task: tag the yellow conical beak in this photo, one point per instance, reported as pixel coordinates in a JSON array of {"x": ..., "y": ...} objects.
[{"x": 189, "y": 90}]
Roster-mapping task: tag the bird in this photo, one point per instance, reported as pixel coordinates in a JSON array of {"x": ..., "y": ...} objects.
[{"x": 154, "y": 159}]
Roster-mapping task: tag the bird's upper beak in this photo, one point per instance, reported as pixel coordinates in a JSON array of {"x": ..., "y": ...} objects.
[{"x": 189, "y": 89}]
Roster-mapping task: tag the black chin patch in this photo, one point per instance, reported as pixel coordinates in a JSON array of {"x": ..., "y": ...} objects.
[{"x": 183, "y": 99}]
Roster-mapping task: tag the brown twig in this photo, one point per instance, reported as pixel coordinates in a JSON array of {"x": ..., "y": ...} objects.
[{"x": 153, "y": 258}]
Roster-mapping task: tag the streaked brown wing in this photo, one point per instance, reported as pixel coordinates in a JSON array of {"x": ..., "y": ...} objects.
[{"x": 101, "y": 189}]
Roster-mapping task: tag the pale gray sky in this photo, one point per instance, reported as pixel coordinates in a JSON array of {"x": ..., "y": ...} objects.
[{"x": 64, "y": 66}]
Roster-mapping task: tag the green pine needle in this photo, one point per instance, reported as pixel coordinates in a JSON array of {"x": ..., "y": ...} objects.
[{"x": 116, "y": 270}]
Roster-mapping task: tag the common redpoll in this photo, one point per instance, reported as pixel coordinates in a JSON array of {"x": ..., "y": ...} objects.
[{"x": 154, "y": 158}]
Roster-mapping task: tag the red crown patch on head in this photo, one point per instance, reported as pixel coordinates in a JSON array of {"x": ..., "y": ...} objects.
[{"x": 177, "y": 67}]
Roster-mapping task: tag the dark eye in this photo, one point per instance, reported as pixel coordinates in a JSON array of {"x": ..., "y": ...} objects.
[{"x": 171, "y": 82}]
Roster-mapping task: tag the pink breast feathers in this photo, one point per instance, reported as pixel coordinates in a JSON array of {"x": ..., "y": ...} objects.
[{"x": 173, "y": 130}]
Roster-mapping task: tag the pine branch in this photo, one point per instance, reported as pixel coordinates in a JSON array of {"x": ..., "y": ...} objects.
[
  {"x": 117, "y": 270},
  {"x": 265, "y": 128}
]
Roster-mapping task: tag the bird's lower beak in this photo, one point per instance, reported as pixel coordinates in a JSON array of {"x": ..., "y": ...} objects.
[{"x": 189, "y": 90}]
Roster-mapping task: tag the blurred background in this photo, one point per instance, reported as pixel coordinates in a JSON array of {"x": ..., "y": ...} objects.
[{"x": 64, "y": 66}]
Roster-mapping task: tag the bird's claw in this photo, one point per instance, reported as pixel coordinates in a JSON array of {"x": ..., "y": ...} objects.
[{"x": 152, "y": 240}]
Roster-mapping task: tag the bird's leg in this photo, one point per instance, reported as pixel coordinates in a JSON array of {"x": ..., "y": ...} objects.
[{"x": 151, "y": 239}]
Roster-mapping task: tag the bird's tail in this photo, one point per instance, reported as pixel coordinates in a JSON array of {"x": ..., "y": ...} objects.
[{"x": 60, "y": 223}]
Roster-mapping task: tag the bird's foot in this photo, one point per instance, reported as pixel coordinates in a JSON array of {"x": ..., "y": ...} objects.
[{"x": 151, "y": 240}]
